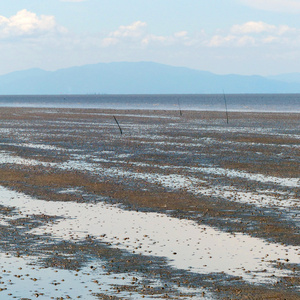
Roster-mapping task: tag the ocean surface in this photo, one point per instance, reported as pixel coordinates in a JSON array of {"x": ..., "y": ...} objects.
[{"x": 235, "y": 102}]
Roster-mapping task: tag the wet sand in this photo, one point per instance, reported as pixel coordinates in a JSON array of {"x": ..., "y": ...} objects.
[{"x": 178, "y": 207}]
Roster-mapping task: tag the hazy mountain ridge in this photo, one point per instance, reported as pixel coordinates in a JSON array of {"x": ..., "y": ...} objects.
[
  {"x": 140, "y": 78},
  {"x": 288, "y": 77}
]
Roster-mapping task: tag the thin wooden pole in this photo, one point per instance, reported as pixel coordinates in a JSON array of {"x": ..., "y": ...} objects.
[
  {"x": 180, "y": 112},
  {"x": 226, "y": 108},
  {"x": 118, "y": 124}
]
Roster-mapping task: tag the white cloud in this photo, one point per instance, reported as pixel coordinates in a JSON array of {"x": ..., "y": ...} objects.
[
  {"x": 135, "y": 30},
  {"x": 290, "y": 6},
  {"x": 134, "y": 33},
  {"x": 151, "y": 38},
  {"x": 230, "y": 41},
  {"x": 26, "y": 23},
  {"x": 284, "y": 29},
  {"x": 252, "y": 27},
  {"x": 137, "y": 34}
]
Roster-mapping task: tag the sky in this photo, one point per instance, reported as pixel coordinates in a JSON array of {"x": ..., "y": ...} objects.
[{"x": 247, "y": 37}]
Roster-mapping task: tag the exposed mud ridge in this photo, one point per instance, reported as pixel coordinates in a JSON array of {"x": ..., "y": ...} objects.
[
  {"x": 239, "y": 179},
  {"x": 46, "y": 184}
]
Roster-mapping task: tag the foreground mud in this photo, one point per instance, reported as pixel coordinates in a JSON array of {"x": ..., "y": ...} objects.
[{"x": 236, "y": 181}]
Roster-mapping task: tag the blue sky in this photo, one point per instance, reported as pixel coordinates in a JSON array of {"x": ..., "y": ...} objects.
[{"x": 222, "y": 36}]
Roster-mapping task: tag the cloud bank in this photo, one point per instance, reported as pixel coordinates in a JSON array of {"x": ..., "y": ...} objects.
[
  {"x": 42, "y": 42},
  {"x": 26, "y": 24},
  {"x": 251, "y": 33}
]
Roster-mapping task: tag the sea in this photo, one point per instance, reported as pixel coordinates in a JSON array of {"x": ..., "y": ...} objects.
[{"x": 211, "y": 102}]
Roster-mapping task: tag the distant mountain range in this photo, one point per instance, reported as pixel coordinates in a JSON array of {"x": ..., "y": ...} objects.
[{"x": 140, "y": 78}]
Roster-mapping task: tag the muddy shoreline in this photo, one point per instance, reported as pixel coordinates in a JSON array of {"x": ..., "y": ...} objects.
[{"x": 240, "y": 178}]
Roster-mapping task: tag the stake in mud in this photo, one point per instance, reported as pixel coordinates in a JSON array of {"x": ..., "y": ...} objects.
[
  {"x": 226, "y": 108},
  {"x": 118, "y": 124},
  {"x": 180, "y": 111}
]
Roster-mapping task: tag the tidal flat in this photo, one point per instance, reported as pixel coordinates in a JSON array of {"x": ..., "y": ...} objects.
[{"x": 176, "y": 207}]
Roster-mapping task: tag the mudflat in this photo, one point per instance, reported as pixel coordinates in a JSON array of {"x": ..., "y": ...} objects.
[{"x": 131, "y": 204}]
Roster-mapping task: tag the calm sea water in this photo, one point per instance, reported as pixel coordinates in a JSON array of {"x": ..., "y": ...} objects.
[{"x": 235, "y": 102}]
